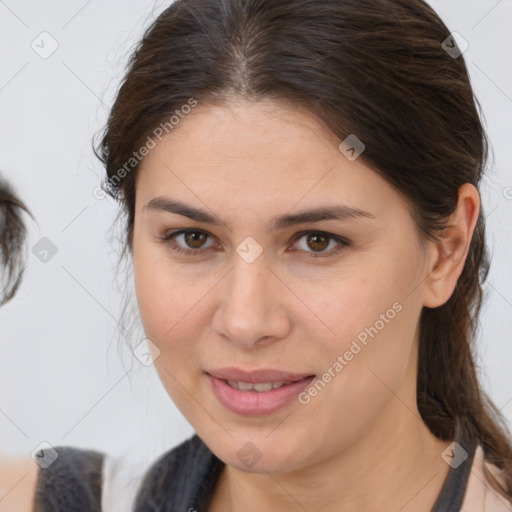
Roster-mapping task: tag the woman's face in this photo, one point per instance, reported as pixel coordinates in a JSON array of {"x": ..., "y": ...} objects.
[{"x": 253, "y": 295}]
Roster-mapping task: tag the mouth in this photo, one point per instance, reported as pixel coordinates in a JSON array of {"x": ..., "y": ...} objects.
[
  {"x": 260, "y": 376},
  {"x": 257, "y": 387},
  {"x": 246, "y": 398}
]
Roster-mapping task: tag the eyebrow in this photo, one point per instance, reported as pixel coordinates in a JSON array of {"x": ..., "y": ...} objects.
[{"x": 336, "y": 212}]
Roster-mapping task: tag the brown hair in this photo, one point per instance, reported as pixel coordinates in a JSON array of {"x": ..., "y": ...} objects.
[
  {"x": 373, "y": 68},
  {"x": 12, "y": 239}
]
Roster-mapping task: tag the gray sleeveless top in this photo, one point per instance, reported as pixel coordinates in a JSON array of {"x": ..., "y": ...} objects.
[{"x": 181, "y": 480}]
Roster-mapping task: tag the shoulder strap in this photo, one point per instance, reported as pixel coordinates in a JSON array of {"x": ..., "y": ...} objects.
[
  {"x": 71, "y": 483},
  {"x": 182, "y": 479},
  {"x": 452, "y": 494}
]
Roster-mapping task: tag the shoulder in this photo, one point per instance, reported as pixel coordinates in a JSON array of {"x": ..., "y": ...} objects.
[
  {"x": 481, "y": 495},
  {"x": 17, "y": 484},
  {"x": 68, "y": 479},
  {"x": 85, "y": 480}
]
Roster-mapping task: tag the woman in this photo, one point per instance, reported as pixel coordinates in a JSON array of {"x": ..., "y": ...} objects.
[{"x": 301, "y": 187}]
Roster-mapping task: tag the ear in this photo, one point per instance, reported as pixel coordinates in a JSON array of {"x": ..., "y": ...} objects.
[{"x": 448, "y": 257}]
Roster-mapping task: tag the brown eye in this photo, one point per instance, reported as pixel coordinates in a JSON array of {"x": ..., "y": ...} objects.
[
  {"x": 195, "y": 239},
  {"x": 191, "y": 242},
  {"x": 317, "y": 242},
  {"x": 187, "y": 241}
]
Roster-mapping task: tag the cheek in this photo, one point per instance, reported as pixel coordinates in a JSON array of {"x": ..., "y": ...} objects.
[
  {"x": 348, "y": 305},
  {"x": 168, "y": 316},
  {"x": 372, "y": 323},
  {"x": 151, "y": 300},
  {"x": 171, "y": 305},
  {"x": 155, "y": 296}
]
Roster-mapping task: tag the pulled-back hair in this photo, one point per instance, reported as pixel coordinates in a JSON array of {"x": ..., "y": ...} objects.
[{"x": 377, "y": 69}]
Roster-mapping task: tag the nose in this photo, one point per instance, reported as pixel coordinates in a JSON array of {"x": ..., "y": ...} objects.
[{"x": 251, "y": 309}]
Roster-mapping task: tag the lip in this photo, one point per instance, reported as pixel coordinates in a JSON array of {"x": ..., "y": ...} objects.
[
  {"x": 251, "y": 403},
  {"x": 255, "y": 376}
]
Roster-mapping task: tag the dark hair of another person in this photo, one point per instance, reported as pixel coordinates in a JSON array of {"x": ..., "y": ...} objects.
[
  {"x": 373, "y": 68},
  {"x": 12, "y": 241}
]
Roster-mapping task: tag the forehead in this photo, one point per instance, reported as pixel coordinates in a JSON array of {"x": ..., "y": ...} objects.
[
  {"x": 258, "y": 136},
  {"x": 253, "y": 155}
]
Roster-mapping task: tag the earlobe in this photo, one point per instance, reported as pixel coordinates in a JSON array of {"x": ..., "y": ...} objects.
[{"x": 450, "y": 254}]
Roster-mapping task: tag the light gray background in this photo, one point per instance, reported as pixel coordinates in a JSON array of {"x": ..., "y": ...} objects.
[{"x": 62, "y": 379}]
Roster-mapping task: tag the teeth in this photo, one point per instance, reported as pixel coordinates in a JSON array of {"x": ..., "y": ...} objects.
[{"x": 258, "y": 387}]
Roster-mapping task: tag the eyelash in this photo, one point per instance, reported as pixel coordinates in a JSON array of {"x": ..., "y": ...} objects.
[{"x": 168, "y": 238}]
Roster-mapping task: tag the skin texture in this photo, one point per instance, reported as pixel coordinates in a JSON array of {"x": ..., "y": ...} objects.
[
  {"x": 18, "y": 479},
  {"x": 360, "y": 443}
]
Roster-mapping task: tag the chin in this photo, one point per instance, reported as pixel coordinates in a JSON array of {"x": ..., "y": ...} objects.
[{"x": 256, "y": 453}]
